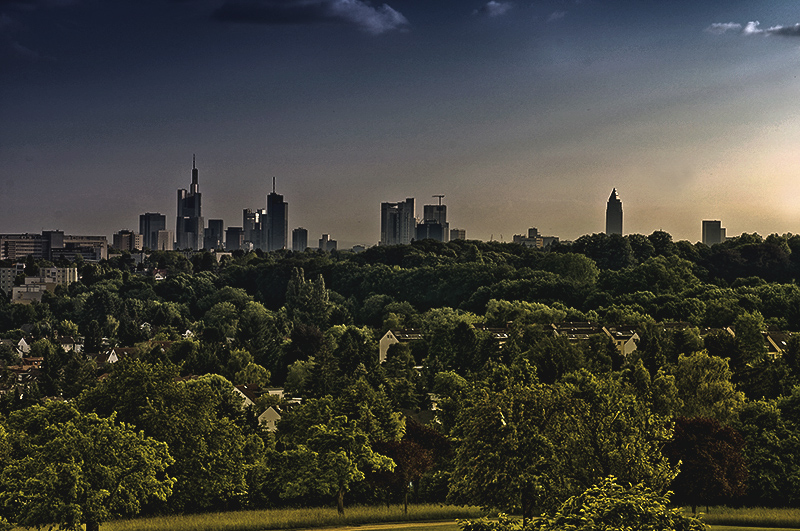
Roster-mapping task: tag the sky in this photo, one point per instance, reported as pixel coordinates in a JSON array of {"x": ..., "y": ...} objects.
[{"x": 522, "y": 113}]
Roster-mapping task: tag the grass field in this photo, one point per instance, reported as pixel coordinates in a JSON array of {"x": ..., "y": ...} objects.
[
  {"x": 419, "y": 518},
  {"x": 305, "y": 518},
  {"x": 722, "y": 518}
]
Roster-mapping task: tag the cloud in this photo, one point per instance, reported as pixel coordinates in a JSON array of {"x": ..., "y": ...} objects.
[
  {"x": 357, "y": 12},
  {"x": 754, "y": 28},
  {"x": 557, "y": 15},
  {"x": 494, "y": 9},
  {"x": 718, "y": 28}
]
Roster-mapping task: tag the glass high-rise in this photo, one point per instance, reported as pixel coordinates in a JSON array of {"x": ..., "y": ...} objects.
[
  {"x": 149, "y": 225},
  {"x": 189, "y": 225},
  {"x": 614, "y": 214},
  {"x": 277, "y": 223}
]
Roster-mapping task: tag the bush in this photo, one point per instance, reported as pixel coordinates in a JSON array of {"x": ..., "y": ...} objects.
[
  {"x": 608, "y": 505},
  {"x": 503, "y": 523}
]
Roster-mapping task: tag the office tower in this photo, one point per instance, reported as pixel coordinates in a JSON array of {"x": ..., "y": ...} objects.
[
  {"x": 434, "y": 223},
  {"x": 398, "y": 224},
  {"x": 614, "y": 214},
  {"x": 458, "y": 234},
  {"x": 213, "y": 235},
  {"x": 165, "y": 241},
  {"x": 189, "y": 225},
  {"x": 713, "y": 232},
  {"x": 127, "y": 240},
  {"x": 276, "y": 227},
  {"x": 234, "y": 238},
  {"x": 149, "y": 225},
  {"x": 326, "y": 244},
  {"x": 299, "y": 239},
  {"x": 251, "y": 225}
]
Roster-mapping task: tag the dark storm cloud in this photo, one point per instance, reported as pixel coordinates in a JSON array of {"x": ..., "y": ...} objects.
[
  {"x": 494, "y": 9},
  {"x": 753, "y": 28},
  {"x": 371, "y": 19}
]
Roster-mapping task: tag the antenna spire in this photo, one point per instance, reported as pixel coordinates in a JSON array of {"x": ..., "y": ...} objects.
[
  {"x": 193, "y": 161},
  {"x": 273, "y": 185}
]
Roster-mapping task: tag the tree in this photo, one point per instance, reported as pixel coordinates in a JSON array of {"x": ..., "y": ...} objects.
[
  {"x": 72, "y": 469},
  {"x": 609, "y": 505},
  {"x": 307, "y": 301},
  {"x": 506, "y": 460},
  {"x": 534, "y": 445},
  {"x": 197, "y": 419},
  {"x": 704, "y": 384},
  {"x": 771, "y": 450},
  {"x": 330, "y": 459},
  {"x": 712, "y": 468},
  {"x": 411, "y": 462}
]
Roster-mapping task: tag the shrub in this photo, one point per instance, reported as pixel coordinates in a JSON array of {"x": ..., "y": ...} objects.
[{"x": 608, "y": 505}]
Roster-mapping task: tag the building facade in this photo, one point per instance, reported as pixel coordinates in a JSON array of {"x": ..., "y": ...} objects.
[
  {"x": 127, "y": 240},
  {"x": 149, "y": 225},
  {"x": 398, "y": 224},
  {"x": 434, "y": 224},
  {"x": 277, "y": 225},
  {"x": 458, "y": 234},
  {"x": 53, "y": 245},
  {"x": 213, "y": 237},
  {"x": 326, "y": 244},
  {"x": 234, "y": 238},
  {"x": 189, "y": 224},
  {"x": 614, "y": 214},
  {"x": 165, "y": 240},
  {"x": 299, "y": 239},
  {"x": 713, "y": 232}
]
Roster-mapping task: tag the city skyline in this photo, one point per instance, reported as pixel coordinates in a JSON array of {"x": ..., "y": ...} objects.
[{"x": 524, "y": 114}]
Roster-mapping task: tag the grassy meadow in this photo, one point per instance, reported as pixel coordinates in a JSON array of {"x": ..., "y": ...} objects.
[
  {"x": 419, "y": 518},
  {"x": 722, "y": 518},
  {"x": 301, "y": 518}
]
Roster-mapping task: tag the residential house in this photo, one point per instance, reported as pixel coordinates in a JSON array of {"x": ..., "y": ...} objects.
[
  {"x": 392, "y": 337},
  {"x": 269, "y": 419}
]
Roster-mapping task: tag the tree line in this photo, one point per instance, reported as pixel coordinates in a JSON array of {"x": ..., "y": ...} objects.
[{"x": 519, "y": 422}]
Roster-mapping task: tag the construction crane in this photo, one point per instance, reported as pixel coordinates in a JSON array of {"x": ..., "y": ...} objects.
[{"x": 440, "y": 196}]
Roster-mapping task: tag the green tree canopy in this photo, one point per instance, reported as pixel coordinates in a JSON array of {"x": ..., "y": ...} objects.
[{"x": 72, "y": 469}]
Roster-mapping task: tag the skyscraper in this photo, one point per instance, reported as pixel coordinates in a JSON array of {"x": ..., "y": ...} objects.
[
  {"x": 149, "y": 225},
  {"x": 713, "y": 232},
  {"x": 299, "y": 239},
  {"x": 398, "y": 224},
  {"x": 189, "y": 225},
  {"x": 614, "y": 214},
  {"x": 234, "y": 237},
  {"x": 214, "y": 234},
  {"x": 434, "y": 223},
  {"x": 251, "y": 224},
  {"x": 277, "y": 226}
]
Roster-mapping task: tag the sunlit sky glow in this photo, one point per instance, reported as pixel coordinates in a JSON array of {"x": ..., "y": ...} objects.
[{"x": 524, "y": 114}]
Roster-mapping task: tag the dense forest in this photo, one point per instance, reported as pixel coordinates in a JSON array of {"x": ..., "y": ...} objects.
[{"x": 517, "y": 420}]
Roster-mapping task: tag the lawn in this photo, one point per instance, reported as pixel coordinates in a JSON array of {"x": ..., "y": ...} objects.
[
  {"x": 439, "y": 518},
  {"x": 724, "y": 518}
]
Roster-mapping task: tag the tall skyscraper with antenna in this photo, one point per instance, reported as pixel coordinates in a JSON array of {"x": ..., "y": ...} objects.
[
  {"x": 277, "y": 223},
  {"x": 614, "y": 214},
  {"x": 189, "y": 224}
]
